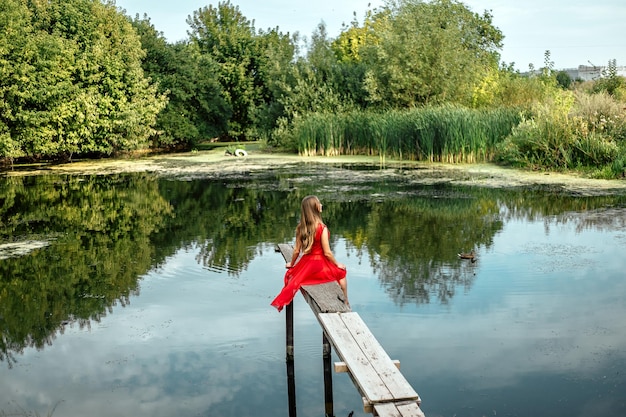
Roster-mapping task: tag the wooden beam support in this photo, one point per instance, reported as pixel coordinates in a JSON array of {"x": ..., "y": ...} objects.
[{"x": 341, "y": 367}]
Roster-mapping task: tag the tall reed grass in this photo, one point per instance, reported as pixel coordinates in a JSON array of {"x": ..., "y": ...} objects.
[{"x": 436, "y": 134}]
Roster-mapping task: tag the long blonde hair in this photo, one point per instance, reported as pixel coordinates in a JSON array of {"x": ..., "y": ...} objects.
[{"x": 310, "y": 217}]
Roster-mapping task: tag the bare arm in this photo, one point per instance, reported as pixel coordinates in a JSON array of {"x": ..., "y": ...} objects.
[
  {"x": 327, "y": 252},
  {"x": 296, "y": 253}
]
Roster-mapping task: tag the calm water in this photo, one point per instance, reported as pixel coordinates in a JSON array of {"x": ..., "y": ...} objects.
[{"x": 140, "y": 296}]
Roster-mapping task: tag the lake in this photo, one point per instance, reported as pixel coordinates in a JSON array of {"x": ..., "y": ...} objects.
[{"x": 141, "y": 295}]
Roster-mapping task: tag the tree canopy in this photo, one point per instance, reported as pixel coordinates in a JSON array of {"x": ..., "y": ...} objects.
[
  {"x": 79, "y": 77},
  {"x": 425, "y": 52},
  {"x": 71, "y": 80},
  {"x": 244, "y": 60}
]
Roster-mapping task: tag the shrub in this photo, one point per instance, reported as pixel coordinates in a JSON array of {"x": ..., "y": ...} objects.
[{"x": 573, "y": 130}]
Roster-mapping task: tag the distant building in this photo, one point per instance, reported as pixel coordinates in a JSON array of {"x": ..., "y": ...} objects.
[
  {"x": 590, "y": 73},
  {"x": 584, "y": 72}
]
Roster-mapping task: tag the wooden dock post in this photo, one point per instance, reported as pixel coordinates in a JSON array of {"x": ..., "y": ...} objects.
[
  {"x": 291, "y": 388},
  {"x": 289, "y": 331},
  {"x": 328, "y": 375}
]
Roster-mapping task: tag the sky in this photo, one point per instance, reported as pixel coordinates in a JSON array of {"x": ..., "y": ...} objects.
[{"x": 575, "y": 32}]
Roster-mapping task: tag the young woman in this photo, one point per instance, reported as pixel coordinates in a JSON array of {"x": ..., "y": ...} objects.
[{"x": 317, "y": 264}]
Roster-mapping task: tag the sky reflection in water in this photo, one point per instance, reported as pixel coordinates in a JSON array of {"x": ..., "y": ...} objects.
[{"x": 537, "y": 329}]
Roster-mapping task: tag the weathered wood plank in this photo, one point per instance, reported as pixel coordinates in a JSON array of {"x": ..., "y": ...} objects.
[
  {"x": 286, "y": 250},
  {"x": 364, "y": 376},
  {"x": 410, "y": 410},
  {"x": 325, "y": 298},
  {"x": 379, "y": 359},
  {"x": 398, "y": 410},
  {"x": 378, "y": 379},
  {"x": 386, "y": 410},
  {"x": 341, "y": 367}
]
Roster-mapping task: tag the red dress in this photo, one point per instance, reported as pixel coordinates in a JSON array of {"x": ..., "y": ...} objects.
[{"x": 312, "y": 268}]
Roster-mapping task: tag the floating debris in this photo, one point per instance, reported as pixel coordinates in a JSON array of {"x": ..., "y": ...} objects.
[{"x": 17, "y": 249}]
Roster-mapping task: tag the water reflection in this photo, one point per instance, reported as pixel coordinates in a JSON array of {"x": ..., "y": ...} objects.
[
  {"x": 110, "y": 230},
  {"x": 98, "y": 231},
  {"x": 105, "y": 235}
]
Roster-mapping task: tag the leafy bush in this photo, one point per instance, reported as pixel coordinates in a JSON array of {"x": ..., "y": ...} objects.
[
  {"x": 572, "y": 130},
  {"x": 600, "y": 113},
  {"x": 71, "y": 80}
]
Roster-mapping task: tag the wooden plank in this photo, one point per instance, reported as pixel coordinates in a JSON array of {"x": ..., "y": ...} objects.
[
  {"x": 386, "y": 410},
  {"x": 325, "y": 298},
  {"x": 373, "y": 371},
  {"x": 286, "y": 250},
  {"x": 398, "y": 410},
  {"x": 410, "y": 410},
  {"x": 341, "y": 367},
  {"x": 379, "y": 359},
  {"x": 364, "y": 376}
]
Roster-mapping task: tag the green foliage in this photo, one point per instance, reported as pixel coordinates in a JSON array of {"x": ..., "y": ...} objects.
[
  {"x": 570, "y": 131},
  {"x": 230, "y": 39},
  {"x": 449, "y": 134},
  {"x": 275, "y": 56},
  {"x": 611, "y": 83},
  {"x": 71, "y": 80},
  {"x": 507, "y": 87},
  {"x": 313, "y": 85},
  {"x": 599, "y": 113},
  {"x": 428, "y": 52},
  {"x": 563, "y": 79},
  {"x": 196, "y": 109},
  {"x": 9, "y": 148}
]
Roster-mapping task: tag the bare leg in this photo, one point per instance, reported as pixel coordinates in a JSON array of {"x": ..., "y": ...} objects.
[{"x": 343, "y": 283}]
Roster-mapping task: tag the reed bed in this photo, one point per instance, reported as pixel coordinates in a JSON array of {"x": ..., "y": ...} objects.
[{"x": 436, "y": 134}]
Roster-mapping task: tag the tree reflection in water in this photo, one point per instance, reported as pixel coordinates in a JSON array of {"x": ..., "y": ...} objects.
[{"x": 108, "y": 231}]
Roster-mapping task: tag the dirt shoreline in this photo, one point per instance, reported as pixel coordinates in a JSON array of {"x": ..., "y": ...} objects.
[{"x": 215, "y": 162}]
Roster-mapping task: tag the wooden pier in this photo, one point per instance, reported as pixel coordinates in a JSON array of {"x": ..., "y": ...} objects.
[{"x": 385, "y": 391}]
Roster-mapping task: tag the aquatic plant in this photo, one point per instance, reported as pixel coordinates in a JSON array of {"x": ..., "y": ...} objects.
[{"x": 443, "y": 133}]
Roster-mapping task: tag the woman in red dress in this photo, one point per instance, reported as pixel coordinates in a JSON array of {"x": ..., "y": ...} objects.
[{"x": 317, "y": 264}]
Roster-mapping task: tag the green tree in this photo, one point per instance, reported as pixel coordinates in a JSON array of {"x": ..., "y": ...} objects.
[
  {"x": 563, "y": 79},
  {"x": 14, "y": 24},
  {"x": 506, "y": 87},
  {"x": 338, "y": 68},
  {"x": 196, "y": 109},
  {"x": 349, "y": 44},
  {"x": 71, "y": 80},
  {"x": 252, "y": 67},
  {"x": 225, "y": 34},
  {"x": 275, "y": 52},
  {"x": 348, "y": 48},
  {"x": 429, "y": 52},
  {"x": 310, "y": 85}
]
